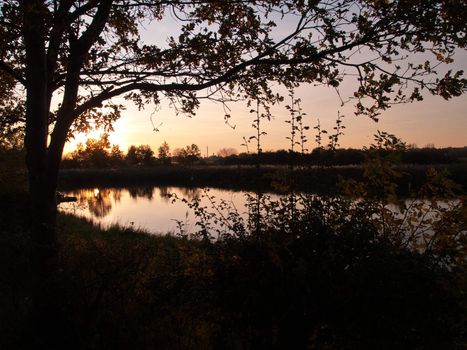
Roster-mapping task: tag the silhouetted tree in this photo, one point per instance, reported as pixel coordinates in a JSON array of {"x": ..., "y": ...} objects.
[
  {"x": 142, "y": 154},
  {"x": 94, "y": 152},
  {"x": 187, "y": 155},
  {"x": 131, "y": 155},
  {"x": 116, "y": 155},
  {"x": 83, "y": 54},
  {"x": 164, "y": 153}
]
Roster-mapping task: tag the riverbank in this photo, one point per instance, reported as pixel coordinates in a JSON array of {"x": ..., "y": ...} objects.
[
  {"x": 323, "y": 180},
  {"x": 331, "y": 287}
]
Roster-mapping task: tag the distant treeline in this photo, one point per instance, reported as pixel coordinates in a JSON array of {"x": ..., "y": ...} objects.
[
  {"x": 349, "y": 156},
  {"x": 102, "y": 154}
]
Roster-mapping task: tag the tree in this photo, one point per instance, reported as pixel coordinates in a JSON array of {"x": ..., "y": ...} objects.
[
  {"x": 142, "y": 154},
  {"x": 164, "y": 153},
  {"x": 187, "y": 155},
  {"x": 192, "y": 153},
  {"x": 94, "y": 153},
  {"x": 116, "y": 156},
  {"x": 84, "y": 53},
  {"x": 146, "y": 154}
]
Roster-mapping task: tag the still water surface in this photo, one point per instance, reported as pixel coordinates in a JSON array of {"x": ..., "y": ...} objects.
[
  {"x": 162, "y": 210},
  {"x": 153, "y": 209}
]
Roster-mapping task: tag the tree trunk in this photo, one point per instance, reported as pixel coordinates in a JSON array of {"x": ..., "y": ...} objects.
[
  {"x": 47, "y": 316},
  {"x": 43, "y": 237}
]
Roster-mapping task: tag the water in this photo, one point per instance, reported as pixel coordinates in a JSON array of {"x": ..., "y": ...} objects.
[
  {"x": 163, "y": 210},
  {"x": 158, "y": 210}
]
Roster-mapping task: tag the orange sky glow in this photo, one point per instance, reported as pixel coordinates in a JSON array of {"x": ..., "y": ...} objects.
[{"x": 432, "y": 121}]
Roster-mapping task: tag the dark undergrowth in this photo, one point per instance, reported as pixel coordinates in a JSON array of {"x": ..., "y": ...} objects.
[
  {"x": 303, "y": 273},
  {"x": 318, "y": 288}
]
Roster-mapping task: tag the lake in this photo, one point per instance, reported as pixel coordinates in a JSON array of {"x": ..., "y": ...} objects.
[
  {"x": 171, "y": 210},
  {"x": 155, "y": 209}
]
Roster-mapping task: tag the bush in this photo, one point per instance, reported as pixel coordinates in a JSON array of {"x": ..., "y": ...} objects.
[{"x": 304, "y": 272}]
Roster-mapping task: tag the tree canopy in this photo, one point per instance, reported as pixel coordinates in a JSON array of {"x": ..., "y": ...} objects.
[
  {"x": 142, "y": 154},
  {"x": 188, "y": 155},
  {"x": 63, "y": 62},
  {"x": 94, "y": 50}
]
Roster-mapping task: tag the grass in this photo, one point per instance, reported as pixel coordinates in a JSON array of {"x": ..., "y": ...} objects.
[
  {"x": 125, "y": 289},
  {"x": 320, "y": 288}
]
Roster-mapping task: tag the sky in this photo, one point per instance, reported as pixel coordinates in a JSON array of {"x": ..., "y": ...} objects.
[{"x": 432, "y": 121}]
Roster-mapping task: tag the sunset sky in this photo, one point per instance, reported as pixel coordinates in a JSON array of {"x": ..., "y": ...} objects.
[{"x": 432, "y": 121}]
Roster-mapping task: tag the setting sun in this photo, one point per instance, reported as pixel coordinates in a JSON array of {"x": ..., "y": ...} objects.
[
  {"x": 115, "y": 137},
  {"x": 241, "y": 174}
]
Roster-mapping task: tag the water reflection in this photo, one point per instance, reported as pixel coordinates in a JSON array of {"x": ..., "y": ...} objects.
[
  {"x": 150, "y": 208},
  {"x": 99, "y": 202},
  {"x": 191, "y": 193},
  {"x": 165, "y": 194},
  {"x": 171, "y": 209},
  {"x": 141, "y": 192}
]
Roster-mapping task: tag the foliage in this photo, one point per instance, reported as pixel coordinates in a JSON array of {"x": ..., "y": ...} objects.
[
  {"x": 346, "y": 156},
  {"x": 318, "y": 47},
  {"x": 101, "y": 154},
  {"x": 429, "y": 221},
  {"x": 296, "y": 125},
  {"x": 82, "y": 55},
  {"x": 369, "y": 224},
  {"x": 188, "y": 155},
  {"x": 303, "y": 272},
  {"x": 142, "y": 154},
  {"x": 164, "y": 153},
  {"x": 336, "y": 283},
  {"x": 62, "y": 63},
  {"x": 11, "y": 114},
  {"x": 116, "y": 155},
  {"x": 11, "y": 138},
  {"x": 96, "y": 153}
]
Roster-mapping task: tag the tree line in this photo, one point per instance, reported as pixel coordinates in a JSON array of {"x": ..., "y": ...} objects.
[
  {"x": 63, "y": 64},
  {"x": 342, "y": 156},
  {"x": 100, "y": 153}
]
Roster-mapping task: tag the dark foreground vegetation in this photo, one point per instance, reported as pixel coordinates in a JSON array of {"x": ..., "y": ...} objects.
[
  {"x": 320, "y": 285},
  {"x": 306, "y": 272},
  {"x": 303, "y": 273}
]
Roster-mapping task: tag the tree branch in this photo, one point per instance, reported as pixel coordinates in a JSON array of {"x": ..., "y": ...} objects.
[
  {"x": 78, "y": 50},
  {"x": 10, "y": 71},
  {"x": 230, "y": 75},
  {"x": 90, "y": 35}
]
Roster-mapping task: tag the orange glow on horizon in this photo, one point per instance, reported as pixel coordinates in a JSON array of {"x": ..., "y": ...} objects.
[{"x": 432, "y": 121}]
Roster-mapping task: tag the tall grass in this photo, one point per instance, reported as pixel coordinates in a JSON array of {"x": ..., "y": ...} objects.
[
  {"x": 331, "y": 281},
  {"x": 307, "y": 272}
]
